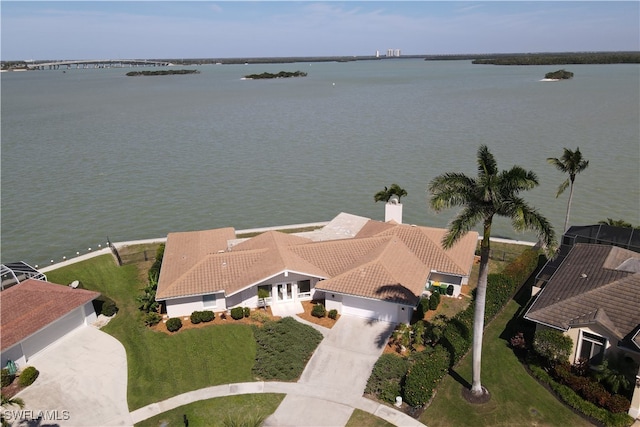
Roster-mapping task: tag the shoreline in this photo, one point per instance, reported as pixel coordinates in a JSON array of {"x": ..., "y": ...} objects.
[{"x": 120, "y": 245}]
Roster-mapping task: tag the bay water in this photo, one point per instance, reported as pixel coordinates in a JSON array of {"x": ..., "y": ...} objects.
[{"x": 90, "y": 154}]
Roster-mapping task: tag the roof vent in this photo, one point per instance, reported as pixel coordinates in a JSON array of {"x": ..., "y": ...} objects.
[{"x": 583, "y": 275}]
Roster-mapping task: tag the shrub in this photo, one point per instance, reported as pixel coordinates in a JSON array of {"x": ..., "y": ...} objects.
[
  {"x": 552, "y": 345},
  {"x": 424, "y": 376},
  {"x": 109, "y": 308},
  {"x": 7, "y": 378},
  {"x": 202, "y": 316},
  {"x": 387, "y": 377},
  {"x": 237, "y": 313},
  {"x": 333, "y": 314},
  {"x": 174, "y": 324},
  {"x": 207, "y": 316},
  {"x": 318, "y": 310},
  {"x": 450, "y": 290},
  {"x": 246, "y": 312},
  {"x": 152, "y": 318},
  {"x": 423, "y": 307},
  {"x": 434, "y": 301},
  {"x": 260, "y": 316},
  {"x": 28, "y": 376}
]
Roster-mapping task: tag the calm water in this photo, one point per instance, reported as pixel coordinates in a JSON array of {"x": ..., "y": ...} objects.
[{"x": 88, "y": 154}]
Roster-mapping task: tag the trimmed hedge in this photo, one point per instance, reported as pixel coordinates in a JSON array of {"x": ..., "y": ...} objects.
[
  {"x": 28, "y": 376},
  {"x": 237, "y": 313},
  {"x": 333, "y": 314},
  {"x": 434, "y": 301},
  {"x": 174, "y": 324},
  {"x": 202, "y": 316},
  {"x": 318, "y": 311}
]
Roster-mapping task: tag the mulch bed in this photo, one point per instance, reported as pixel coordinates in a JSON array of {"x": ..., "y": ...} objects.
[
  {"x": 12, "y": 389},
  {"x": 307, "y": 305}
]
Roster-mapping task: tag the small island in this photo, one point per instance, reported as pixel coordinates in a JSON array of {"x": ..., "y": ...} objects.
[
  {"x": 161, "y": 72},
  {"x": 558, "y": 75},
  {"x": 280, "y": 75}
]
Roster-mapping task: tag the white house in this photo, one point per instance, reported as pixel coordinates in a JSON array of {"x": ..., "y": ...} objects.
[{"x": 377, "y": 271}]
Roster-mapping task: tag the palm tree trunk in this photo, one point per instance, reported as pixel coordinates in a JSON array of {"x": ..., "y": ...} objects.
[
  {"x": 478, "y": 318},
  {"x": 566, "y": 218}
]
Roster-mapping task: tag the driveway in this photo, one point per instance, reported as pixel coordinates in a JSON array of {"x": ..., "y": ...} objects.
[
  {"x": 82, "y": 381},
  {"x": 338, "y": 371}
]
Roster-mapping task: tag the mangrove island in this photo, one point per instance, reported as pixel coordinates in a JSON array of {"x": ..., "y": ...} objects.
[
  {"x": 161, "y": 72},
  {"x": 280, "y": 75},
  {"x": 559, "y": 75}
]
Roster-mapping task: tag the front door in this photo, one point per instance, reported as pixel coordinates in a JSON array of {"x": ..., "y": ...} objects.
[{"x": 284, "y": 291}]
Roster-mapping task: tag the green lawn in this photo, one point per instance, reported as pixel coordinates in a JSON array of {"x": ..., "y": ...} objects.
[
  {"x": 219, "y": 412},
  {"x": 516, "y": 398},
  {"x": 161, "y": 366},
  {"x": 361, "y": 418}
]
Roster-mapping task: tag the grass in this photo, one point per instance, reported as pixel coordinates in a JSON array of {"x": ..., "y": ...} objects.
[
  {"x": 219, "y": 411},
  {"x": 161, "y": 365},
  {"x": 361, "y": 418},
  {"x": 516, "y": 398}
]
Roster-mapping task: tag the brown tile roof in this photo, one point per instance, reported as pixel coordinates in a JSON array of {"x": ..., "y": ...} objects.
[
  {"x": 33, "y": 304},
  {"x": 594, "y": 285},
  {"x": 400, "y": 259}
]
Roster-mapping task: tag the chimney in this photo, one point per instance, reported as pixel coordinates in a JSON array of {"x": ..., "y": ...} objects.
[{"x": 393, "y": 210}]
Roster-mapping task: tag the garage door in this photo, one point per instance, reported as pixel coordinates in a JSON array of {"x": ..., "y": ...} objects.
[
  {"x": 370, "y": 309},
  {"x": 52, "y": 333}
]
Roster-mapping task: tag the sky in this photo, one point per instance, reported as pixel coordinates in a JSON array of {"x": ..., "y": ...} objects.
[{"x": 240, "y": 29}]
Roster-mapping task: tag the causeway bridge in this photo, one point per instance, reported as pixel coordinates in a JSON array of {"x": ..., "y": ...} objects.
[{"x": 96, "y": 63}]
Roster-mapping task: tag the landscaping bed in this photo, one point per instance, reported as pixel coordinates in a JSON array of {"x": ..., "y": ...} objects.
[{"x": 325, "y": 321}]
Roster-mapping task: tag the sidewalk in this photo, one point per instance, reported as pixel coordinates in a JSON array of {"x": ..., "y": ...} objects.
[{"x": 321, "y": 398}]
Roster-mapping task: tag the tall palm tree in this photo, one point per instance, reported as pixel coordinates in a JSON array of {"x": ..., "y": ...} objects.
[
  {"x": 570, "y": 163},
  {"x": 491, "y": 193}
]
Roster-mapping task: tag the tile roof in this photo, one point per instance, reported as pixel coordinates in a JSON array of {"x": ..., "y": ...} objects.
[
  {"x": 386, "y": 261},
  {"x": 596, "y": 284},
  {"x": 33, "y": 304}
]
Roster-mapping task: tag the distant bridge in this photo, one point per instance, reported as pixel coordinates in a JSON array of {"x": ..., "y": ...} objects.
[{"x": 96, "y": 63}]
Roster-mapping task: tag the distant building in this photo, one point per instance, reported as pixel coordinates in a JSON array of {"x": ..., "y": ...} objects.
[
  {"x": 393, "y": 53},
  {"x": 377, "y": 54}
]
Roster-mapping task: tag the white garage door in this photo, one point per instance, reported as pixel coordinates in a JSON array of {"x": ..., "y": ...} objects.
[
  {"x": 370, "y": 309},
  {"x": 52, "y": 333}
]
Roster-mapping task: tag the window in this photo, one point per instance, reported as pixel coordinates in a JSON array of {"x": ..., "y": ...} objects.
[
  {"x": 304, "y": 286},
  {"x": 592, "y": 348},
  {"x": 209, "y": 301}
]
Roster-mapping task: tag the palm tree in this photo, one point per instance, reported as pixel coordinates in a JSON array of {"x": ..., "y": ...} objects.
[
  {"x": 9, "y": 401},
  {"x": 616, "y": 223},
  {"x": 387, "y": 193},
  {"x": 571, "y": 163},
  {"x": 491, "y": 193}
]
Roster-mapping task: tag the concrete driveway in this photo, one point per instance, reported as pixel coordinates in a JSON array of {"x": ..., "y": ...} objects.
[
  {"x": 82, "y": 382},
  {"x": 337, "y": 371}
]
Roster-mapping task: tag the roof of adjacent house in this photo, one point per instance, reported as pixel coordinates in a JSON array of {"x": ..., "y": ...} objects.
[
  {"x": 385, "y": 261},
  {"x": 596, "y": 284},
  {"x": 33, "y": 304}
]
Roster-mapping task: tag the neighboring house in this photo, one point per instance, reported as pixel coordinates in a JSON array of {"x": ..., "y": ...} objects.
[
  {"x": 367, "y": 268},
  {"x": 593, "y": 296},
  {"x": 36, "y": 313}
]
